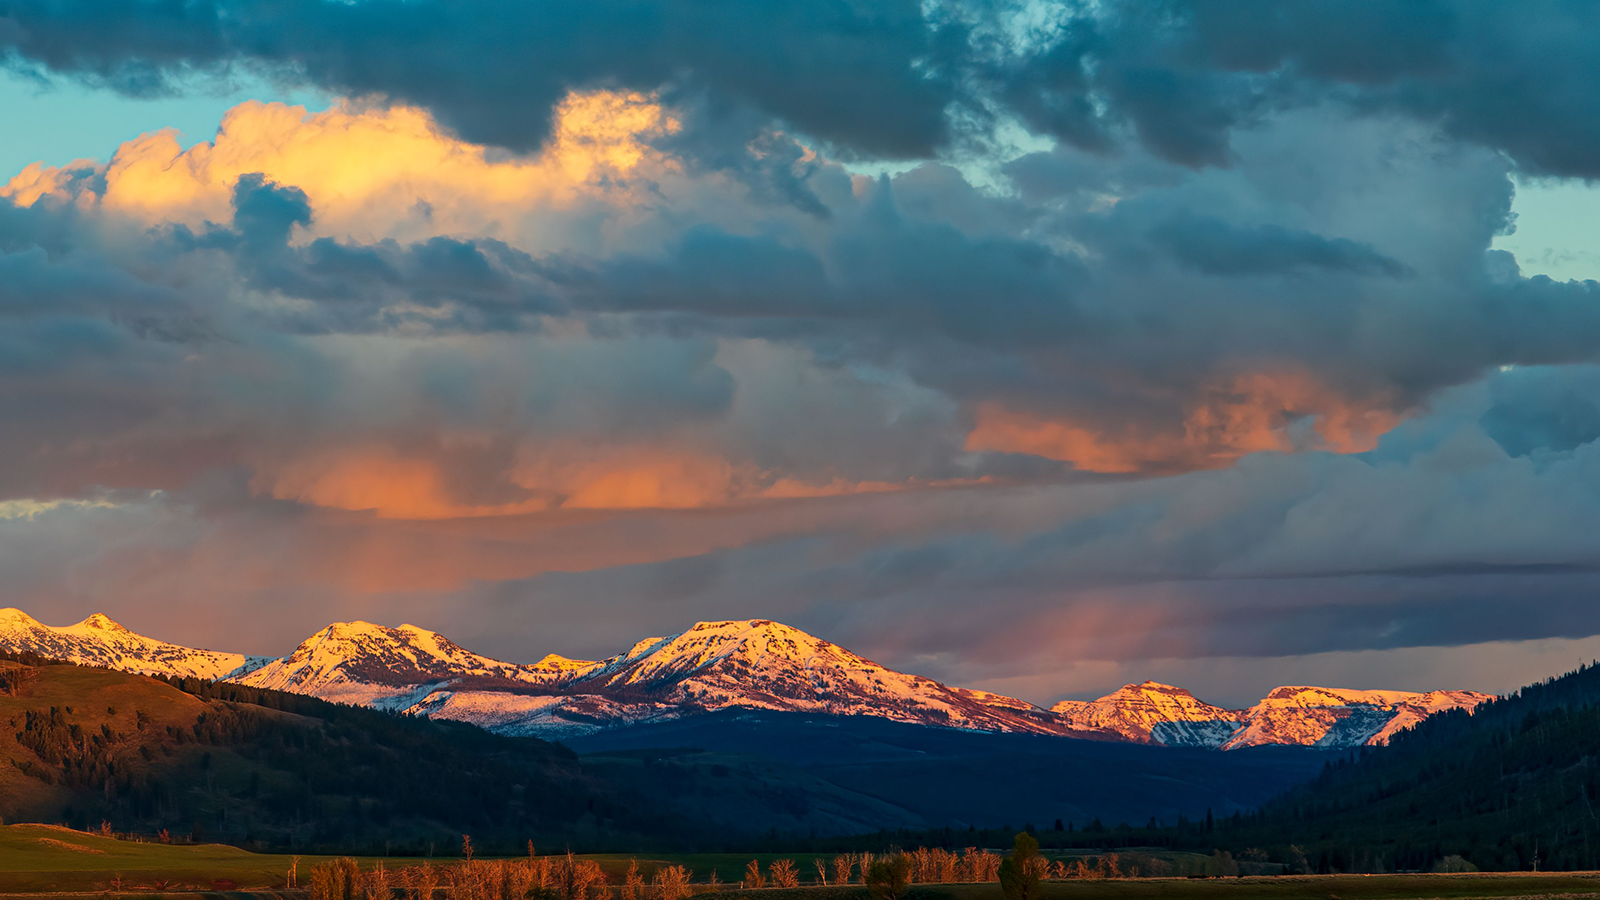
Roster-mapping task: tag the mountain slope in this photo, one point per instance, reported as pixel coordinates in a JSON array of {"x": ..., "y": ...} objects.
[{"x": 959, "y": 778}]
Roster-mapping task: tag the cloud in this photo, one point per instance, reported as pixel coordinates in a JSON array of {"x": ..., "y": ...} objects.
[
  {"x": 368, "y": 172},
  {"x": 868, "y": 75},
  {"x": 1181, "y": 78},
  {"x": 553, "y": 349},
  {"x": 1282, "y": 411}
]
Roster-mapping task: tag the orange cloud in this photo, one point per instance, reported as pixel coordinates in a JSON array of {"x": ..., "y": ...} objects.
[
  {"x": 1250, "y": 414},
  {"x": 371, "y": 172},
  {"x": 567, "y": 476},
  {"x": 381, "y": 480},
  {"x": 38, "y": 180}
]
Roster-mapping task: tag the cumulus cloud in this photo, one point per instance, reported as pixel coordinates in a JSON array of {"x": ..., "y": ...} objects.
[{"x": 589, "y": 338}]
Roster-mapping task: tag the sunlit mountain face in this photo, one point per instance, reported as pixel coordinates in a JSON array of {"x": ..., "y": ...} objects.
[
  {"x": 755, "y": 665},
  {"x": 1036, "y": 348}
]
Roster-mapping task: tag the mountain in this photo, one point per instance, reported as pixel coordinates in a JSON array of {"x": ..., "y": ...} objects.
[
  {"x": 755, "y": 664},
  {"x": 1154, "y": 713},
  {"x": 1158, "y": 713},
  {"x": 387, "y": 668},
  {"x": 752, "y": 664},
  {"x": 1328, "y": 717},
  {"x": 98, "y": 641}
]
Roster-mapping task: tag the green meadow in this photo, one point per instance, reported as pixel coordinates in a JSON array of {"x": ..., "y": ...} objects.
[{"x": 43, "y": 859}]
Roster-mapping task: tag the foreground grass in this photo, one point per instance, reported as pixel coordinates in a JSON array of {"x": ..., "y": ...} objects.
[
  {"x": 45, "y": 858},
  {"x": 41, "y": 859},
  {"x": 1290, "y": 887}
]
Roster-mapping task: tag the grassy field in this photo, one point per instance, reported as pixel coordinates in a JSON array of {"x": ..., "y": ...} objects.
[
  {"x": 36, "y": 859},
  {"x": 44, "y": 858}
]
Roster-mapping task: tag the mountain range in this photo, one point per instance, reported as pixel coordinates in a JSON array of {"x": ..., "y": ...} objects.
[{"x": 755, "y": 665}]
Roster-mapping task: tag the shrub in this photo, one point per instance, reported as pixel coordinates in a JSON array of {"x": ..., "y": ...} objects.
[
  {"x": 889, "y": 878},
  {"x": 1020, "y": 872},
  {"x": 672, "y": 883},
  {"x": 1223, "y": 863},
  {"x": 1454, "y": 863},
  {"x": 336, "y": 880}
]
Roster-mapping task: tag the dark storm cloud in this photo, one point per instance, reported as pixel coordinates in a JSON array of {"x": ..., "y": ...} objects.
[
  {"x": 1184, "y": 75},
  {"x": 1179, "y": 76},
  {"x": 51, "y": 269},
  {"x": 868, "y": 75},
  {"x": 1510, "y": 76},
  {"x": 1218, "y": 248},
  {"x": 1544, "y": 410},
  {"x": 910, "y": 276}
]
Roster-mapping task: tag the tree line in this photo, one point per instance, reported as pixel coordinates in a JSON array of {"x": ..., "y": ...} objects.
[{"x": 886, "y": 876}]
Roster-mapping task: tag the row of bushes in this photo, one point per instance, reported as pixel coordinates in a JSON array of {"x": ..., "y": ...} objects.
[{"x": 887, "y": 876}]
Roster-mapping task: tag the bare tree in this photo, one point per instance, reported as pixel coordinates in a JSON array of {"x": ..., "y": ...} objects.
[
  {"x": 784, "y": 873},
  {"x": 863, "y": 863},
  {"x": 672, "y": 883},
  {"x": 376, "y": 885},
  {"x": 842, "y": 866},
  {"x": 632, "y": 882}
]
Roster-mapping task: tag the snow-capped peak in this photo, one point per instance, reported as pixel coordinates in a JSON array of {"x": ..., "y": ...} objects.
[
  {"x": 1340, "y": 717},
  {"x": 1152, "y": 712},
  {"x": 99, "y": 641},
  {"x": 12, "y": 618},
  {"x": 94, "y": 623},
  {"x": 756, "y": 643},
  {"x": 359, "y": 662}
]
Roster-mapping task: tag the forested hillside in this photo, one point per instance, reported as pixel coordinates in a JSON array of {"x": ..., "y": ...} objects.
[
  {"x": 1514, "y": 783},
  {"x": 260, "y": 768},
  {"x": 264, "y": 769},
  {"x": 1512, "y": 786}
]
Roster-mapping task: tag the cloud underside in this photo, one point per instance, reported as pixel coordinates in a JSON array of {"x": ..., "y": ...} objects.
[{"x": 1220, "y": 364}]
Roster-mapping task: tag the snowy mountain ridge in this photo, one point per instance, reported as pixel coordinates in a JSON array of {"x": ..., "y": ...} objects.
[
  {"x": 98, "y": 641},
  {"x": 754, "y": 664}
]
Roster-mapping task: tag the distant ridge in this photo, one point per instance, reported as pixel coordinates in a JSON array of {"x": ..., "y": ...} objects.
[{"x": 752, "y": 664}]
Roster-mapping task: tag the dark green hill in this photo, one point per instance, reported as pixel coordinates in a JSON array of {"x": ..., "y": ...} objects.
[
  {"x": 1518, "y": 777},
  {"x": 261, "y": 768},
  {"x": 1515, "y": 782}
]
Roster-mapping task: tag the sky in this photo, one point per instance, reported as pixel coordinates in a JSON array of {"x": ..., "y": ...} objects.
[{"x": 1037, "y": 347}]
